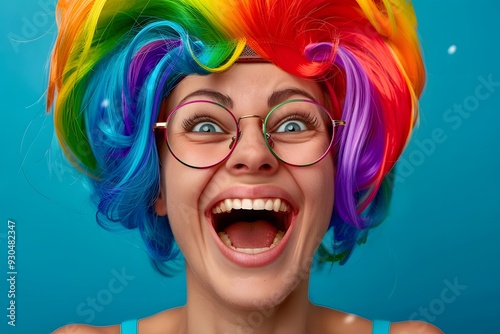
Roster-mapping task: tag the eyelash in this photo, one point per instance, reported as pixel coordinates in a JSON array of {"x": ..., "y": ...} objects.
[
  {"x": 188, "y": 124},
  {"x": 306, "y": 118}
]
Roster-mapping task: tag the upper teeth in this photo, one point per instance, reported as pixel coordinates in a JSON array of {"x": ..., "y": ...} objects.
[{"x": 227, "y": 205}]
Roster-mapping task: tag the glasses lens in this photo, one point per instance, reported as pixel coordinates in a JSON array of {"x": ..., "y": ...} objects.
[
  {"x": 300, "y": 132},
  {"x": 200, "y": 133}
]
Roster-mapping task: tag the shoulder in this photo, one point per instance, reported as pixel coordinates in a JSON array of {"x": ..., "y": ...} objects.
[
  {"x": 85, "y": 329},
  {"x": 167, "y": 321},
  {"x": 332, "y": 321},
  {"x": 414, "y": 327}
]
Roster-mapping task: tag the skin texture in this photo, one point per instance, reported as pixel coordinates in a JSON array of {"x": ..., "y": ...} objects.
[
  {"x": 222, "y": 295},
  {"x": 214, "y": 282}
]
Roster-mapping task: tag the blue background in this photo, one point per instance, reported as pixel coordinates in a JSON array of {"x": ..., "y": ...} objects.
[{"x": 442, "y": 230}]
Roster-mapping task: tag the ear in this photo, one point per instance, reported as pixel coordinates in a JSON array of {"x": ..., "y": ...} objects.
[{"x": 160, "y": 205}]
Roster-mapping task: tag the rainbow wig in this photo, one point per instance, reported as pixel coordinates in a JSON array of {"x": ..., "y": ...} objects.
[{"x": 116, "y": 61}]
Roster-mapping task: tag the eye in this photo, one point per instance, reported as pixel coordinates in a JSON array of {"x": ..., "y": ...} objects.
[
  {"x": 206, "y": 127},
  {"x": 291, "y": 126}
]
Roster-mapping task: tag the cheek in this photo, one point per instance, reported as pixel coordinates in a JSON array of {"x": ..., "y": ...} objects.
[
  {"x": 320, "y": 193},
  {"x": 183, "y": 188},
  {"x": 182, "y": 210},
  {"x": 180, "y": 197},
  {"x": 322, "y": 184}
]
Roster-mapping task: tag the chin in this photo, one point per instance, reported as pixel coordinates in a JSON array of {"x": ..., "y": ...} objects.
[
  {"x": 261, "y": 288},
  {"x": 261, "y": 296}
]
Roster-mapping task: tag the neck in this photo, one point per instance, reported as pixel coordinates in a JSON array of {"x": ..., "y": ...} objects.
[{"x": 206, "y": 313}]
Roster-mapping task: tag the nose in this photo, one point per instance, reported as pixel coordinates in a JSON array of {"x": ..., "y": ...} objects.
[{"x": 251, "y": 154}]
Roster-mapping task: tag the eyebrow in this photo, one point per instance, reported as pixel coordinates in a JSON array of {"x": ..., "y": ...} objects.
[
  {"x": 275, "y": 98},
  {"x": 225, "y": 100},
  {"x": 284, "y": 94}
]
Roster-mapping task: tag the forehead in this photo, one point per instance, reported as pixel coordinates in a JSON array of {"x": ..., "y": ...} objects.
[{"x": 247, "y": 83}]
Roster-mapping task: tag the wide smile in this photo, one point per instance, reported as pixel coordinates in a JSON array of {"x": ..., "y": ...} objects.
[{"x": 252, "y": 232}]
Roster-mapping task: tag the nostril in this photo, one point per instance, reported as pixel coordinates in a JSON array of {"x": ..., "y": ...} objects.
[
  {"x": 266, "y": 167},
  {"x": 239, "y": 166},
  {"x": 263, "y": 167}
]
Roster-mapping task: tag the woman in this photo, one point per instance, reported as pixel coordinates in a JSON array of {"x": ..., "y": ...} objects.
[{"x": 254, "y": 127}]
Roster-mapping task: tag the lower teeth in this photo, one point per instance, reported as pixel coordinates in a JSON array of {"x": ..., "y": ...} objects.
[{"x": 225, "y": 239}]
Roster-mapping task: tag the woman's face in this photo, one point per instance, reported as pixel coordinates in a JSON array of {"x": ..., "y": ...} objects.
[{"x": 253, "y": 176}]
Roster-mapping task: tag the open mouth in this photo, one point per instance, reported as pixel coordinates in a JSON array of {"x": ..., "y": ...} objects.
[{"x": 251, "y": 226}]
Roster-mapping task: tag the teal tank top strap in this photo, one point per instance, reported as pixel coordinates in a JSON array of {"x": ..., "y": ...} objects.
[
  {"x": 381, "y": 327},
  {"x": 129, "y": 327}
]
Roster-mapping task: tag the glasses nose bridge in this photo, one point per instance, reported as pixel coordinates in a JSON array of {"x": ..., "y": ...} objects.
[
  {"x": 250, "y": 116},
  {"x": 240, "y": 132}
]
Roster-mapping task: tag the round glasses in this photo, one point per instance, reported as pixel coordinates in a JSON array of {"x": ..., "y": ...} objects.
[{"x": 203, "y": 133}]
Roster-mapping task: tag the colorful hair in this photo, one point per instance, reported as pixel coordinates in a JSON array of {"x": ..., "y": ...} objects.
[{"x": 115, "y": 61}]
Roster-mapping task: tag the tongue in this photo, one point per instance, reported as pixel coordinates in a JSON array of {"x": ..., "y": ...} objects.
[{"x": 257, "y": 234}]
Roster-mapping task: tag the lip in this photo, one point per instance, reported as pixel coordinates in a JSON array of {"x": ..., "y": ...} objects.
[{"x": 263, "y": 258}]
